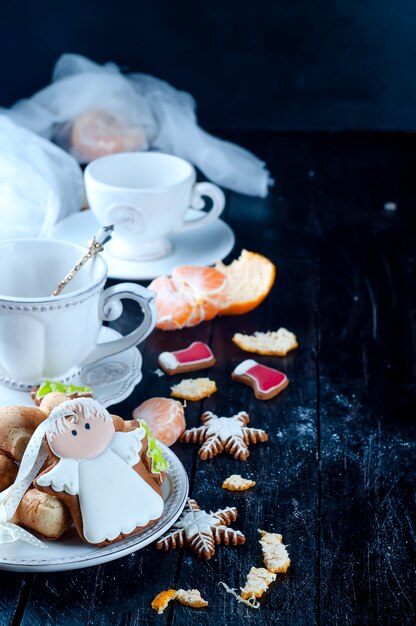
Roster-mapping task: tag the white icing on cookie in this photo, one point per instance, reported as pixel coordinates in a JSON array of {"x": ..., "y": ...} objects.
[
  {"x": 168, "y": 360},
  {"x": 225, "y": 427},
  {"x": 244, "y": 366},
  {"x": 197, "y": 522}
]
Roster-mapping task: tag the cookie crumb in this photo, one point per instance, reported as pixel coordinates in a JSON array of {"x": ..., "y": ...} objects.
[
  {"x": 191, "y": 597},
  {"x": 250, "y": 601},
  {"x": 275, "y": 555},
  {"x": 235, "y": 482},
  {"x": 257, "y": 583},
  {"x": 273, "y": 342},
  {"x": 194, "y": 389}
]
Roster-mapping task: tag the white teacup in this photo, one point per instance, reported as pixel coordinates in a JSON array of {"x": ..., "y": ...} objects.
[
  {"x": 52, "y": 337},
  {"x": 146, "y": 196}
]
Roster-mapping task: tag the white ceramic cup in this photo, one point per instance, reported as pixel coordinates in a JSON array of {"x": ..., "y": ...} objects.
[
  {"x": 146, "y": 196},
  {"x": 52, "y": 337}
]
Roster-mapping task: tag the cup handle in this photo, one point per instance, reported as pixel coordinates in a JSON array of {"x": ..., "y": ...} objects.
[
  {"x": 112, "y": 308},
  {"x": 197, "y": 202}
]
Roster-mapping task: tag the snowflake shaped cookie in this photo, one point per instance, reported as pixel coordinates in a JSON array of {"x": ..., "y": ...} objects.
[
  {"x": 224, "y": 433},
  {"x": 201, "y": 530}
]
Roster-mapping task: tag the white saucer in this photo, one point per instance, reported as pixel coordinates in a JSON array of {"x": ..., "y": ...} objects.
[
  {"x": 112, "y": 379},
  {"x": 197, "y": 247},
  {"x": 69, "y": 552}
]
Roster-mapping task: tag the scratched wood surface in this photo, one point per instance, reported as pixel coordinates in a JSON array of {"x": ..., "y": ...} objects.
[{"x": 337, "y": 476}]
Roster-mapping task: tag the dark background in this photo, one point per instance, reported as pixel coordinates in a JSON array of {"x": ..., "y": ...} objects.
[
  {"x": 273, "y": 64},
  {"x": 337, "y": 476}
]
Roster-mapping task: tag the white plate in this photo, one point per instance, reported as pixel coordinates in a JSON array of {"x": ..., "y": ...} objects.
[
  {"x": 71, "y": 553},
  {"x": 198, "y": 247},
  {"x": 112, "y": 379}
]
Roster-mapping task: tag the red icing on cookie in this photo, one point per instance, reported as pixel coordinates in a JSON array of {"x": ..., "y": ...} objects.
[
  {"x": 197, "y": 351},
  {"x": 266, "y": 378}
]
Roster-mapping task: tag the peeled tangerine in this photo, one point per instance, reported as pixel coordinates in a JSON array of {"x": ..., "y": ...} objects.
[
  {"x": 96, "y": 133},
  {"x": 189, "y": 296},
  {"x": 194, "y": 294},
  {"x": 249, "y": 280},
  {"x": 164, "y": 418}
]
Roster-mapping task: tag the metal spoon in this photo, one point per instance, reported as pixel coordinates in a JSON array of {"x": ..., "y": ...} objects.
[{"x": 95, "y": 245}]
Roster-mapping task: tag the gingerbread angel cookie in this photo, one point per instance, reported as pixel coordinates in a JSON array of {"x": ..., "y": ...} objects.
[{"x": 99, "y": 472}]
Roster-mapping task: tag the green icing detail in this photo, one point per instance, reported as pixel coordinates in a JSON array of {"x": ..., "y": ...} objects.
[
  {"x": 154, "y": 452},
  {"x": 48, "y": 386}
]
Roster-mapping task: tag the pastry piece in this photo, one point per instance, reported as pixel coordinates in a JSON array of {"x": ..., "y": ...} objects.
[
  {"x": 42, "y": 513},
  {"x": 275, "y": 555},
  {"x": 235, "y": 482},
  {"x": 17, "y": 424},
  {"x": 196, "y": 357},
  {"x": 164, "y": 417},
  {"x": 100, "y": 474},
  {"x": 8, "y": 470},
  {"x": 266, "y": 382},
  {"x": 51, "y": 386},
  {"x": 257, "y": 583},
  {"x": 249, "y": 280},
  {"x": 224, "y": 433},
  {"x": 194, "y": 389},
  {"x": 191, "y": 597},
  {"x": 273, "y": 343},
  {"x": 189, "y": 296},
  {"x": 160, "y": 603},
  {"x": 201, "y": 531}
]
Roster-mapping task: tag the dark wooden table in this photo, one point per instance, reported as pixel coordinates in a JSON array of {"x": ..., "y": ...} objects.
[{"x": 337, "y": 477}]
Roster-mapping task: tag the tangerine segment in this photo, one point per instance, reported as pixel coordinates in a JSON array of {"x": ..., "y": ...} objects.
[
  {"x": 174, "y": 306},
  {"x": 207, "y": 284},
  {"x": 164, "y": 418},
  {"x": 249, "y": 280}
]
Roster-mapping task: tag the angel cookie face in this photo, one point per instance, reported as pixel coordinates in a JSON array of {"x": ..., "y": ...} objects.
[{"x": 80, "y": 431}]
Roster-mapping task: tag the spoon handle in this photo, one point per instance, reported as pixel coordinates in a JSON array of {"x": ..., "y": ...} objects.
[{"x": 95, "y": 245}]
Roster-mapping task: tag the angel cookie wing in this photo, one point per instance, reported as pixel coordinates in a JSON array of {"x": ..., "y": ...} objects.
[
  {"x": 63, "y": 476},
  {"x": 128, "y": 445}
]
